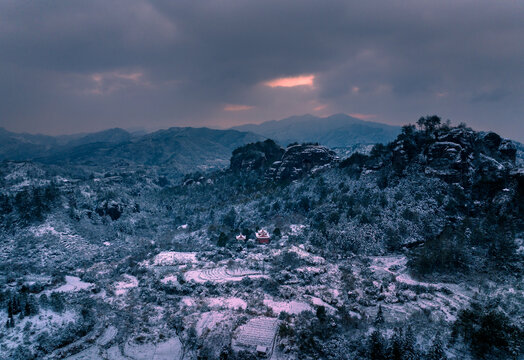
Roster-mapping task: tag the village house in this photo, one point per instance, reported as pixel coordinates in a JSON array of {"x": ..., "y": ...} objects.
[
  {"x": 241, "y": 237},
  {"x": 263, "y": 236}
]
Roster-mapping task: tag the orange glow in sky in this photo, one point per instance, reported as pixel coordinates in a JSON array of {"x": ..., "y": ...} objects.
[
  {"x": 301, "y": 80},
  {"x": 237, "y": 107}
]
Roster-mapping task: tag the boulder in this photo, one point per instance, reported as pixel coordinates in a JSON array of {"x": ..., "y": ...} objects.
[{"x": 299, "y": 160}]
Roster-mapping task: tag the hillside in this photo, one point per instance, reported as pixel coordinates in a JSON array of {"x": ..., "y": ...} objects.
[
  {"x": 181, "y": 149},
  {"x": 411, "y": 251},
  {"x": 338, "y": 130}
]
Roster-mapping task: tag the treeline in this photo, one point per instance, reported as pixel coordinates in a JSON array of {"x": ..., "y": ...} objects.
[{"x": 28, "y": 205}]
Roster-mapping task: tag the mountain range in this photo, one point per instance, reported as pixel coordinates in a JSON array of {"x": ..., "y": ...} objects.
[
  {"x": 183, "y": 148},
  {"x": 339, "y": 130},
  {"x": 186, "y": 149}
]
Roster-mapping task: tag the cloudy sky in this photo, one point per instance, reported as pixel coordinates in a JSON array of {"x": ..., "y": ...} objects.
[{"x": 76, "y": 65}]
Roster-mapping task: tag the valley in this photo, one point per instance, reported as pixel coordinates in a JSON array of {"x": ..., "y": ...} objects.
[{"x": 414, "y": 248}]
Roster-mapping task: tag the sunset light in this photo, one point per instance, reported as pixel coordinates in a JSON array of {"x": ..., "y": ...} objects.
[{"x": 301, "y": 80}]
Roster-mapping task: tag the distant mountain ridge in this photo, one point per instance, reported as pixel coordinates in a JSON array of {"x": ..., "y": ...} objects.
[
  {"x": 182, "y": 148},
  {"x": 339, "y": 130}
]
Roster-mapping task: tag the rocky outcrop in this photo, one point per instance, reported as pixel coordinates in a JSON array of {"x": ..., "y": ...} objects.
[
  {"x": 462, "y": 154},
  {"x": 112, "y": 209},
  {"x": 255, "y": 156},
  {"x": 301, "y": 159}
]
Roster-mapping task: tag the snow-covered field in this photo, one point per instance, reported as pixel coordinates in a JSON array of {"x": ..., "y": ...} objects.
[
  {"x": 73, "y": 283},
  {"x": 169, "y": 258},
  {"x": 91, "y": 353},
  {"x": 208, "y": 320},
  {"x": 444, "y": 300},
  {"x": 170, "y": 279},
  {"x": 227, "y": 302},
  {"x": 46, "y": 321},
  {"x": 302, "y": 253},
  {"x": 291, "y": 307},
  {"x": 259, "y": 331},
  {"x": 128, "y": 282},
  {"x": 170, "y": 349},
  {"x": 61, "y": 231},
  {"x": 221, "y": 274}
]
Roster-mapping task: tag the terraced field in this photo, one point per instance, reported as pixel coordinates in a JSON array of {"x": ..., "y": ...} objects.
[{"x": 221, "y": 274}]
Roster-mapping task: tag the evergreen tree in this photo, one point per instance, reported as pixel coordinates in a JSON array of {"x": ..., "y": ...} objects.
[
  {"x": 376, "y": 346},
  {"x": 277, "y": 232},
  {"x": 56, "y": 302},
  {"x": 436, "y": 352},
  {"x": 222, "y": 239},
  {"x": 397, "y": 345},
  {"x": 409, "y": 351},
  {"x": 379, "y": 319}
]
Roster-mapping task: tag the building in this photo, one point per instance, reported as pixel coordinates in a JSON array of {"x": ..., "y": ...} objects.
[
  {"x": 241, "y": 237},
  {"x": 263, "y": 237}
]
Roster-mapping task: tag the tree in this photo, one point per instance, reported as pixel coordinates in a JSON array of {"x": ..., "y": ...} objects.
[
  {"x": 396, "y": 350},
  {"x": 488, "y": 330},
  {"x": 379, "y": 319},
  {"x": 31, "y": 306},
  {"x": 436, "y": 352},
  {"x": 222, "y": 240},
  {"x": 429, "y": 123},
  {"x": 277, "y": 232},
  {"x": 230, "y": 218},
  {"x": 409, "y": 345},
  {"x": 56, "y": 302},
  {"x": 321, "y": 313},
  {"x": 376, "y": 346}
]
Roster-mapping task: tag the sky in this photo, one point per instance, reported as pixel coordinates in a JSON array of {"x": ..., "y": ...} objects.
[{"x": 77, "y": 66}]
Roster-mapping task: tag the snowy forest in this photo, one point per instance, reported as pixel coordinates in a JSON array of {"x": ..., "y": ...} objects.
[{"x": 412, "y": 249}]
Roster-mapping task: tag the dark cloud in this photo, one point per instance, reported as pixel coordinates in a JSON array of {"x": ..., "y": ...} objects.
[{"x": 86, "y": 65}]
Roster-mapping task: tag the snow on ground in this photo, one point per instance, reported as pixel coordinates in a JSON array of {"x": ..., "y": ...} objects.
[
  {"x": 319, "y": 302},
  {"x": 167, "y": 350},
  {"x": 230, "y": 303},
  {"x": 388, "y": 264},
  {"x": 61, "y": 231},
  {"x": 291, "y": 307},
  {"x": 46, "y": 320},
  {"x": 208, "y": 320},
  {"x": 221, "y": 274},
  {"x": 306, "y": 255},
  {"x": 311, "y": 269},
  {"x": 91, "y": 353},
  {"x": 108, "y": 335},
  {"x": 296, "y": 229},
  {"x": 170, "y": 279},
  {"x": 129, "y": 282},
  {"x": 169, "y": 258},
  {"x": 114, "y": 353},
  {"x": 259, "y": 331},
  {"x": 444, "y": 302},
  {"x": 73, "y": 284},
  {"x": 188, "y": 301}
]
